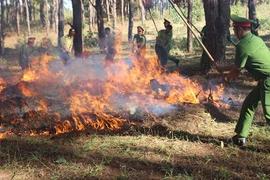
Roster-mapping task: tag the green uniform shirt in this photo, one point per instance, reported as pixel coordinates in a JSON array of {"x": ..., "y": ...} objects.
[
  {"x": 110, "y": 41},
  {"x": 25, "y": 52},
  {"x": 67, "y": 43},
  {"x": 140, "y": 40},
  {"x": 164, "y": 39},
  {"x": 254, "y": 55}
]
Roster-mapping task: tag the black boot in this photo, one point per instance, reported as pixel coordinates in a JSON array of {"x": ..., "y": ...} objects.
[{"x": 238, "y": 140}]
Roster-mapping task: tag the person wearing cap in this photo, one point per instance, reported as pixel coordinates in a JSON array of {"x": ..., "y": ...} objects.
[
  {"x": 163, "y": 46},
  {"x": 139, "y": 42},
  {"x": 25, "y": 51},
  {"x": 253, "y": 55},
  {"x": 66, "y": 46},
  {"x": 255, "y": 26},
  {"x": 110, "y": 46}
]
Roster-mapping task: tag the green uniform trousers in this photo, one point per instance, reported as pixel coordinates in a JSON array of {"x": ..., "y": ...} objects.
[{"x": 260, "y": 93}]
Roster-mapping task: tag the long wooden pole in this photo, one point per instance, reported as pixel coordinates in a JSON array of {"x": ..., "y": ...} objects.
[{"x": 200, "y": 42}]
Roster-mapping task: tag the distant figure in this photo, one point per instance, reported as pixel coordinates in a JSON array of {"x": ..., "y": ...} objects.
[
  {"x": 110, "y": 46},
  {"x": 66, "y": 46},
  {"x": 170, "y": 57},
  {"x": 255, "y": 26},
  {"x": 25, "y": 51},
  {"x": 163, "y": 46},
  {"x": 139, "y": 42}
]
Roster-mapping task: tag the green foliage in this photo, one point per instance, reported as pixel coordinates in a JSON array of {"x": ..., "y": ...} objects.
[
  {"x": 90, "y": 39},
  {"x": 197, "y": 13}
]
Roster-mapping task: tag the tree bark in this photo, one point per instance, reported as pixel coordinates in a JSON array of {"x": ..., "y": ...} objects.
[
  {"x": 142, "y": 9},
  {"x": 108, "y": 11},
  {"x": 91, "y": 16},
  {"x": 27, "y": 17},
  {"x": 114, "y": 13},
  {"x": 61, "y": 23},
  {"x": 56, "y": 15},
  {"x": 47, "y": 18},
  {"x": 251, "y": 8},
  {"x": 77, "y": 25},
  {"x": 18, "y": 17},
  {"x": 2, "y": 26},
  {"x": 122, "y": 12},
  {"x": 189, "y": 33},
  {"x": 100, "y": 24},
  {"x": 41, "y": 13},
  {"x": 217, "y": 17},
  {"x": 130, "y": 20}
]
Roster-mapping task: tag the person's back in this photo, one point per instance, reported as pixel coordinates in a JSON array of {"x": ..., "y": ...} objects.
[{"x": 257, "y": 55}]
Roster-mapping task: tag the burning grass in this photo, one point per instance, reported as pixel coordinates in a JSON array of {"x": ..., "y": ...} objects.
[{"x": 83, "y": 94}]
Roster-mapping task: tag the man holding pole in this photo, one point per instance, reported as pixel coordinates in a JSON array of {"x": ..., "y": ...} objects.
[{"x": 252, "y": 54}]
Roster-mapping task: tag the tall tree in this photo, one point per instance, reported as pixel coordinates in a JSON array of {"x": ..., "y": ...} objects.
[
  {"x": 61, "y": 23},
  {"x": 130, "y": 20},
  {"x": 18, "y": 17},
  {"x": 122, "y": 12},
  {"x": 47, "y": 18},
  {"x": 189, "y": 33},
  {"x": 114, "y": 13},
  {"x": 2, "y": 25},
  {"x": 217, "y": 17},
  {"x": 100, "y": 23},
  {"x": 41, "y": 13},
  {"x": 27, "y": 17},
  {"x": 77, "y": 25},
  {"x": 142, "y": 9},
  {"x": 91, "y": 16},
  {"x": 108, "y": 11},
  {"x": 251, "y": 8}
]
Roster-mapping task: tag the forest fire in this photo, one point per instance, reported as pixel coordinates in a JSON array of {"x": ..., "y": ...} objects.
[{"x": 86, "y": 93}]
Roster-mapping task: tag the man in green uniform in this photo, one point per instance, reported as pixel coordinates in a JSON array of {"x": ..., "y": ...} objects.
[
  {"x": 25, "y": 51},
  {"x": 252, "y": 54},
  {"x": 170, "y": 57},
  {"x": 255, "y": 25},
  {"x": 164, "y": 45},
  {"x": 110, "y": 45},
  {"x": 139, "y": 42},
  {"x": 66, "y": 46}
]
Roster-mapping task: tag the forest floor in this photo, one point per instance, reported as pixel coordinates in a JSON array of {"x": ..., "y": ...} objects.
[{"x": 189, "y": 142}]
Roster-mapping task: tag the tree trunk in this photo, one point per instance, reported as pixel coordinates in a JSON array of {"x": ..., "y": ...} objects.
[
  {"x": 130, "y": 20},
  {"x": 217, "y": 17},
  {"x": 142, "y": 9},
  {"x": 91, "y": 16},
  {"x": 47, "y": 18},
  {"x": 189, "y": 33},
  {"x": 108, "y": 11},
  {"x": 30, "y": 10},
  {"x": 41, "y": 13},
  {"x": 77, "y": 24},
  {"x": 61, "y": 22},
  {"x": 161, "y": 8},
  {"x": 56, "y": 15},
  {"x": 2, "y": 25},
  {"x": 27, "y": 17},
  {"x": 18, "y": 17},
  {"x": 51, "y": 12},
  {"x": 82, "y": 4},
  {"x": 251, "y": 8},
  {"x": 122, "y": 12},
  {"x": 100, "y": 24},
  {"x": 114, "y": 13},
  {"x": 7, "y": 12}
]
